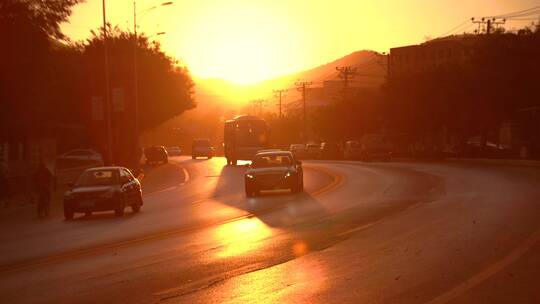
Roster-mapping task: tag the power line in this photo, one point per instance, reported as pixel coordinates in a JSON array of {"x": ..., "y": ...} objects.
[
  {"x": 454, "y": 29},
  {"x": 518, "y": 12},
  {"x": 529, "y": 14},
  {"x": 522, "y": 19}
]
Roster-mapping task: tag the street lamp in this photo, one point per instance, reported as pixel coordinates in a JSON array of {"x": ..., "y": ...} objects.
[
  {"x": 107, "y": 88},
  {"x": 135, "y": 72}
]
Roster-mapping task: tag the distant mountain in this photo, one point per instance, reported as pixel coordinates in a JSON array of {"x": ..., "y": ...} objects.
[
  {"x": 370, "y": 69},
  {"x": 218, "y": 99},
  {"x": 368, "y": 64}
]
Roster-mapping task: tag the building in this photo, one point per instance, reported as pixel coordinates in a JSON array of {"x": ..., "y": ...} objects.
[
  {"x": 414, "y": 59},
  {"x": 333, "y": 90}
]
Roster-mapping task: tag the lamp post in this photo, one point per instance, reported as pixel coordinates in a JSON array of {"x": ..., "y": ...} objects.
[
  {"x": 110, "y": 159},
  {"x": 136, "y": 74}
]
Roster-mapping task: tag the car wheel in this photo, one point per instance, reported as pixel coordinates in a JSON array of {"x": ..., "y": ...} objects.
[
  {"x": 68, "y": 214},
  {"x": 193, "y": 156},
  {"x": 234, "y": 162},
  {"x": 119, "y": 212},
  {"x": 137, "y": 206}
]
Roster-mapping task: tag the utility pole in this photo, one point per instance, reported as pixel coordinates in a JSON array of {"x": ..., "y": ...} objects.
[
  {"x": 258, "y": 103},
  {"x": 110, "y": 159},
  {"x": 136, "y": 87},
  {"x": 301, "y": 86},
  {"x": 279, "y": 94},
  {"x": 489, "y": 23},
  {"x": 346, "y": 73}
]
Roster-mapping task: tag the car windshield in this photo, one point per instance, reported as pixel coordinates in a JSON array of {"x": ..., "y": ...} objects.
[
  {"x": 267, "y": 161},
  {"x": 201, "y": 143},
  {"x": 98, "y": 178}
]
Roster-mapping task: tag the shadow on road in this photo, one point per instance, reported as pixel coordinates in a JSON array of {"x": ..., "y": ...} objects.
[
  {"x": 275, "y": 208},
  {"x": 104, "y": 215}
]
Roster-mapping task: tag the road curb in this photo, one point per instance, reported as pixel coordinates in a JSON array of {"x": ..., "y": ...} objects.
[
  {"x": 490, "y": 161},
  {"x": 509, "y": 162}
]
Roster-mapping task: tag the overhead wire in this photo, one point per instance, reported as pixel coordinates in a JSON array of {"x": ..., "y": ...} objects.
[{"x": 525, "y": 11}]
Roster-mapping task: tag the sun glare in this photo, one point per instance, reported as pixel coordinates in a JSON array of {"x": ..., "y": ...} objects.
[{"x": 246, "y": 44}]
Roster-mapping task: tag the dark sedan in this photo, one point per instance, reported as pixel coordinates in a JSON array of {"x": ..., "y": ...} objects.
[
  {"x": 103, "y": 189},
  {"x": 272, "y": 171},
  {"x": 156, "y": 154}
]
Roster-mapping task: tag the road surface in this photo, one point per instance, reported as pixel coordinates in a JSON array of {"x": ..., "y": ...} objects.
[{"x": 361, "y": 233}]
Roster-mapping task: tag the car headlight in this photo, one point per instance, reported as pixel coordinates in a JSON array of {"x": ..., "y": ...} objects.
[
  {"x": 249, "y": 176},
  {"x": 107, "y": 194},
  {"x": 288, "y": 174}
]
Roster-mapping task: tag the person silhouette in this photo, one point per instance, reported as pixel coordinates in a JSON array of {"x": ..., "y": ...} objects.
[{"x": 42, "y": 180}]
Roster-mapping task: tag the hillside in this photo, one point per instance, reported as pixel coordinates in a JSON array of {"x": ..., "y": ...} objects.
[
  {"x": 218, "y": 99},
  {"x": 369, "y": 64}
]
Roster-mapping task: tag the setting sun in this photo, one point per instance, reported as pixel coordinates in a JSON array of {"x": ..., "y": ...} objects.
[
  {"x": 239, "y": 45},
  {"x": 250, "y": 41}
]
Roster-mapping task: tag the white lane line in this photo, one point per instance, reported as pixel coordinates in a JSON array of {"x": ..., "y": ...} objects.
[
  {"x": 485, "y": 274},
  {"x": 162, "y": 190},
  {"x": 186, "y": 175},
  {"x": 358, "y": 228}
]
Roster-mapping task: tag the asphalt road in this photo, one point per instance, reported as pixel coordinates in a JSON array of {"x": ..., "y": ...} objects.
[{"x": 361, "y": 233}]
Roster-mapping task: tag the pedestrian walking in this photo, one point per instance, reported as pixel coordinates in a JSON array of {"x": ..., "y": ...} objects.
[{"x": 43, "y": 180}]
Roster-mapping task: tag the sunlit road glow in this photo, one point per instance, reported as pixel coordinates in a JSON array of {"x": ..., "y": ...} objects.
[
  {"x": 361, "y": 233},
  {"x": 240, "y": 237}
]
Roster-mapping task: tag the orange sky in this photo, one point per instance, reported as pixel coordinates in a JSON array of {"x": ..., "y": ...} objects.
[{"x": 247, "y": 41}]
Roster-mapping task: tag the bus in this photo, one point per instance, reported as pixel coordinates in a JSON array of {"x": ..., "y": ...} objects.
[{"x": 243, "y": 137}]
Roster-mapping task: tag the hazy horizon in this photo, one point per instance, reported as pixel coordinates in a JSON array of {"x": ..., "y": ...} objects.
[{"x": 247, "y": 42}]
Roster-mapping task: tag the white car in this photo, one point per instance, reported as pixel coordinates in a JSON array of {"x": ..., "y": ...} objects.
[
  {"x": 352, "y": 150},
  {"x": 312, "y": 150},
  {"x": 202, "y": 147},
  {"x": 82, "y": 154},
  {"x": 79, "y": 158},
  {"x": 173, "y": 151},
  {"x": 298, "y": 150}
]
